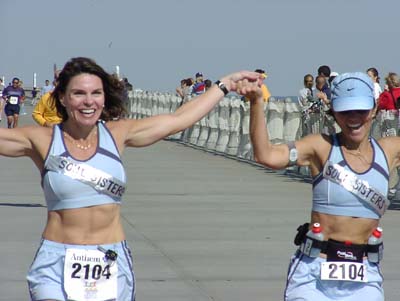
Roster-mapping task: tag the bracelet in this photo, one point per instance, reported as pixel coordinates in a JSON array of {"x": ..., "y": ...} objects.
[{"x": 222, "y": 87}]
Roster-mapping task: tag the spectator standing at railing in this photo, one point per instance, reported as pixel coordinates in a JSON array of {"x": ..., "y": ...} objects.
[
  {"x": 325, "y": 71},
  {"x": 208, "y": 84},
  {"x": 376, "y": 129},
  {"x": 307, "y": 102},
  {"x": 306, "y": 94},
  {"x": 186, "y": 90},
  {"x": 350, "y": 173},
  {"x": 374, "y": 75},
  {"x": 388, "y": 98},
  {"x": 128, "y": 88},
  {"x": 323, "y": 94},
  {"x": 388, "y": 105},
  {"x": 83, "y": 243},
  {"x": 199, "y": 86},
  {"x": 322, "y": 91},
  {"x": 179, "y": 90}
]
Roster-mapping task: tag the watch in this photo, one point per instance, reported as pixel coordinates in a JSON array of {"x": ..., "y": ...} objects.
[
  {"x": 293, "y": 155},
  {"x": 222, "y": 87}
]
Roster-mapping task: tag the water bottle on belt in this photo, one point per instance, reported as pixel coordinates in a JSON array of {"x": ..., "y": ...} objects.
[
  {"x": 375, "y": 246},
  {"x": 310, "y": 246}
]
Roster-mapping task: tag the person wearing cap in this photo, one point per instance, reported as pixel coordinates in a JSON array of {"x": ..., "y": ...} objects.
[
  {"x": 350, "y": 172},
  {"x": 199, "y": 87},
  {"x": 264, "y": 88}
]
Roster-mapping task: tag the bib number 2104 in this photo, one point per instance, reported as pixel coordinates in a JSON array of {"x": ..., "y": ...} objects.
[
  {"x": 94, "y": 272},
  {"x": 89, "y": 276},
  {"x": 344, "y": 271}
]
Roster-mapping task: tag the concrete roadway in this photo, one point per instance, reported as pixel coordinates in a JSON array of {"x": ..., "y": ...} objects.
[{"x": 201, "y": 226}]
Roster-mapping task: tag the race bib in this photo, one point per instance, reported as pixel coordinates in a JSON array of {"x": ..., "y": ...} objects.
[
  {"x": 88, "y": 275},
  {"x": 344, "y": 271},
  {"x": 13, "y": 100}
]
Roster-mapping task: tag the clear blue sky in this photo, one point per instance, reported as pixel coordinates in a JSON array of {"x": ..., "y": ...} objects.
[{"x": 158, "y": 42}]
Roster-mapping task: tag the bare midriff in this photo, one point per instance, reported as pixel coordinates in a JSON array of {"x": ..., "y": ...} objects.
[
  {"x": 85, "y": 226},
  {"x": 345, "y": 228}
]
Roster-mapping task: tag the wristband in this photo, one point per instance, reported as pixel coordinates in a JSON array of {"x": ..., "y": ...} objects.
[{"x": 222, "y": 87}]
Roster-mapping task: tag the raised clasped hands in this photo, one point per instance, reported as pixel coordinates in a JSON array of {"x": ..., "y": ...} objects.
[{"x": 244, "y": 83}]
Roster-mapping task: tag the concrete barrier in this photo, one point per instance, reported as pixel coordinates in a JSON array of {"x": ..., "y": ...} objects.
[{"x": 225, "y": 130}]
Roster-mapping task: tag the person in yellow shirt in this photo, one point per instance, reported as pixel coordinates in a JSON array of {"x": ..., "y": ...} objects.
[
  {"x": 45, "y": 112},
  {"x": 264, "y": 88}
]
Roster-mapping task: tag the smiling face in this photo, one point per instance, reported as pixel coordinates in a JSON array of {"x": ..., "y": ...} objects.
[
  {"x": 84, "y": 99},
  {"x": 355, "y": 124}
]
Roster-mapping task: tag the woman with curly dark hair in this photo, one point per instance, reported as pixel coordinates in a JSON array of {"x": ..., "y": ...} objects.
[{"x": 83, "y": 254}]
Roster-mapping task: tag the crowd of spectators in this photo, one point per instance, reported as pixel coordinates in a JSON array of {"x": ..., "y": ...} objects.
[
  {"x": 190, "y": 87},
  {"x": 315, "y": 97}
]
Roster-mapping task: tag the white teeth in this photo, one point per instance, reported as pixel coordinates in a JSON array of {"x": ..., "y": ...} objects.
[
  {"x": 87, "y": 111},
  {"x": 354, "y": 126}
]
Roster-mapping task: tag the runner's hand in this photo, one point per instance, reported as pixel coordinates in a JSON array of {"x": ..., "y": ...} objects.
[{"x": 239, "y": 82}]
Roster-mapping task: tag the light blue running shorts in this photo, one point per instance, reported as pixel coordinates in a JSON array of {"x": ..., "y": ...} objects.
[
  {"x": 304, "y": 283},
  {"x": 45, "y": 276}
]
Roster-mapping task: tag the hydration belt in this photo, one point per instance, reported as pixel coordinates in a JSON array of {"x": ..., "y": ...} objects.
[{"x": 337, "y": 250}]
